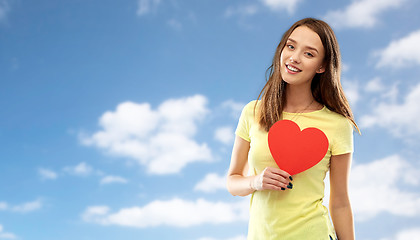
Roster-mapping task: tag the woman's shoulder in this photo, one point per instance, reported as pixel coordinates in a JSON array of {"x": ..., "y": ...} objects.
[
  {"x": 251, "y": 105},
  {"x": 249, "y": 110},
  {"x": 336, "y": 118}
]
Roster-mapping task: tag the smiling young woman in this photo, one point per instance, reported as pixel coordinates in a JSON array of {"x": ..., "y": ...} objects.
[{"x": 304, "y": 87}]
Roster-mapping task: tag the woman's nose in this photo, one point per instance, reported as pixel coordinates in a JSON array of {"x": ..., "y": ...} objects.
[{"x": 294, "y": 58}]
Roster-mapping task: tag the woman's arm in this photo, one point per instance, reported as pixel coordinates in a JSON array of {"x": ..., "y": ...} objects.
[
  {"x": 340, "y": 207},
  {"x": 238, "y": 183}
]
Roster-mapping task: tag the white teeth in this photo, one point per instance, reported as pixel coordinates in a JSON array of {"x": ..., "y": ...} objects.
[{"x": 292, "y": 68}]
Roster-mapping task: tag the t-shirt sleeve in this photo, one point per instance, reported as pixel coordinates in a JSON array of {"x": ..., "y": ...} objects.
[
  {"x": 242, "y": 130},
  {"x": 343, "y": 139}
]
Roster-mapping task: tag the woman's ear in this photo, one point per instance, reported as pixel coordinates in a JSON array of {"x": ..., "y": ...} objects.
[{"x": 321, "y": 69}]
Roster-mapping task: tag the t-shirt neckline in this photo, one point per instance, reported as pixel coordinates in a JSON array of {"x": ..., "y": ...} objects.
[{"x": 316, "y": 111}]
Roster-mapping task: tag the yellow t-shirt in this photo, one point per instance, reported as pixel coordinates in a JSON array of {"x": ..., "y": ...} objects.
[{"x": 298, "y": 213}]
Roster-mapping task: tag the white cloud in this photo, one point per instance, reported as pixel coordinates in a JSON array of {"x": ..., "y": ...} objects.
[
  {"x": 402, "y": 120},
  {"x": 3, "y": 206},
  {"x": 412, "y": 233},
  {"x": 375, "y": 187},
  {"x": 175, "y": 24},
  {"x": 95, "y": 214},
  {"x": 391, "y": 94},
  {"x": 113, "y": 179},
  {"x": 22, "y": 208},
  {"x": 4, "y": 10},
  {"x": 161, "y": 139},
  {"x": 81, "y": 169},
  {"x": 225, "y": 135},
  {"x": 240, "y": 237},
  {"x": 345, "y": 67},
  {"x": 400, "y": 53},
  {"x": 235, "y": 108},
  {"x": 243, "y": 11},
  {"x": 375, "y": 85},
  {"x": 147, "y": 6},
  {"x": 175, "y": 212},
  {"x": 277, "y": 5},
  {"x": 6, "y": 235},
  {"x": 361, "y": 13},
  {"x": 351, "y": 89},
  {"x": 211, "y": 183},
  {"x": 47, "y": 174},
  {"x": 14, "y": 63},
  {"x": 27, "y": 207}
]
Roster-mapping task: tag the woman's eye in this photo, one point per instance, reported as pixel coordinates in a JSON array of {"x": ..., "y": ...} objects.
[
  {"x": 309, "y": 54},
  {"x": 291, "y": 47}
]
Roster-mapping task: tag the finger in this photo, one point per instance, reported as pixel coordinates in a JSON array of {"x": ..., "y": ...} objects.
[
  {"x": 276, "y": 176},
  {"x": 273, "y": 182},
  {"x": 280, "y": 172},
  {"x": 273, "y": 187},
  {"x": 276, "y": 179}
]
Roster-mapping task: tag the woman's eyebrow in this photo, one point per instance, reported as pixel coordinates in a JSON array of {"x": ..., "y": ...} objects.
[{"x": 308, "y": 47}]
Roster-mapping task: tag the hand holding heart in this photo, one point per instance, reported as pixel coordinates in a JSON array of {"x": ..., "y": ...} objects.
[
  {"x": 294, "y": 150},
  {"x": 271, "y": 179}
]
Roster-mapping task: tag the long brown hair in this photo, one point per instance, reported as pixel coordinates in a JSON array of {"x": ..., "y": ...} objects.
[{"x": 326, "y": 87}]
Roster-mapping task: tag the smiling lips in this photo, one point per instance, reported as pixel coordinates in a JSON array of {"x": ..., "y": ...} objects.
[{"x": 292, "y": 69}]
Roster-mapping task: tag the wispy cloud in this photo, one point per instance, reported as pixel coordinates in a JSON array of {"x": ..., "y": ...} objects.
[
  {"x": 352, "y": 90},
  {"x": 113, "y": 179},
  {"x": 212, "y": 182},
  {"x": 233, "y": 107},
  {"x": 224, "y": 135},
  {"x": 22, "y": 208},
  {"x": 241, "y": 10},
  {"x": 175, "y": 212},
  {"x": 6, "y": 235},
  {"x": 375, "y": 188},
  {"x": 27, "y": 207},
  {"x": 147, "y": 6},
  {"x": 240, "y": 237},
  {"x": 247, "y": 10},
  {"x": 3, "y": 206},
  {"x": 400, "y": 53},
  {"x": 161, "y": 139},
  {"x": 375, "y": 85},
  {"x": 411, "y": 233},
  {"x": 279, "y": 5},
  {"x": 4, "y": 10},
  {"x": 81, "y": 169},
  {"x": 401, "y": 119},
  {"x": 175, "y": 24},
  {"x": 361, "y": 13},
  {"x": 47, "y": 174}
]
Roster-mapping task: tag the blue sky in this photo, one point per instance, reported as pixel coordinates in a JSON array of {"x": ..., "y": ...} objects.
[{"x": 117, "y": 117}]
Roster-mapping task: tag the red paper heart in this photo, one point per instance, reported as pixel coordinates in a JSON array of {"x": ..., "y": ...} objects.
[{"x": 296, "y": 151}]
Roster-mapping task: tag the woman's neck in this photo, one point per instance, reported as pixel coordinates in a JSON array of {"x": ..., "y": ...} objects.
[{"x": 299, "y": 98}]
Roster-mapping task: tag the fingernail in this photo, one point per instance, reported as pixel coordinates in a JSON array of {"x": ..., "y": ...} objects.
[
  {"x": 290, "y": 186},
  {"x": 283, "y": 188},
  {"x": 290, "y": 177}
]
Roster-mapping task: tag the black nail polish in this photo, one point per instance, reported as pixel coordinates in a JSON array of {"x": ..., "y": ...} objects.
[
  {"x": 290, "y": 177},
  {"x": 290, "y": 186},
  {"x": 283, "y": 188}
]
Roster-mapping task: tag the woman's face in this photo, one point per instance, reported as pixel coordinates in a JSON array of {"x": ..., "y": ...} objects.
[{"x": 302, "y": 57}]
